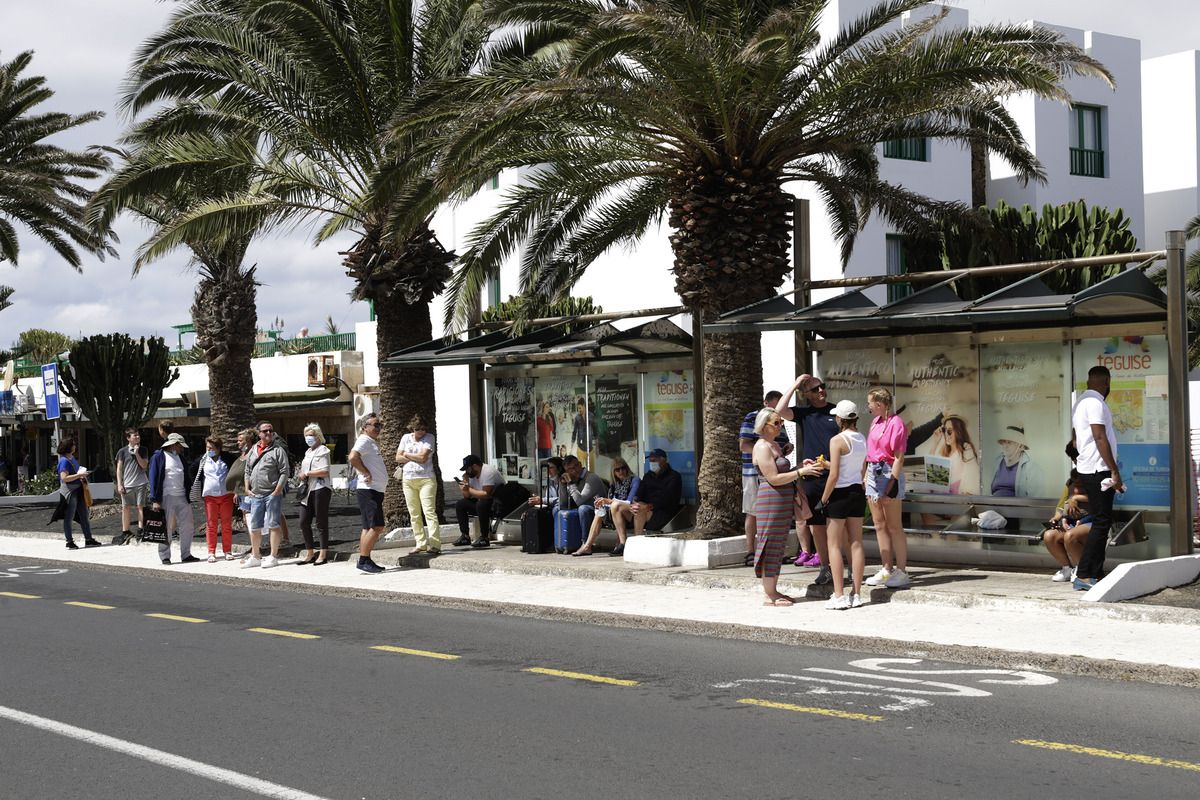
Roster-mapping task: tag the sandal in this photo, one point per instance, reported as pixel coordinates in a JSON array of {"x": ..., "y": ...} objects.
[
  {"x": 780, "y": 602},
  {"x": 749, "y": 562},
  {"x": 580, "y": 552}
]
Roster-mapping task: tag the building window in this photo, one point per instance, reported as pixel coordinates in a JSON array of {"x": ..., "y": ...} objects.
[
  {"x": 896, "y": 254},
  {"x": 493, "y": 291},
  {"x": 916, "y": 149},
  {"x": 493, "y": 182},
  {"x": 1087, "y": 141}
]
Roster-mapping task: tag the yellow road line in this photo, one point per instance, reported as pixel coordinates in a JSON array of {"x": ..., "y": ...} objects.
[
  {"x": 176, "y": 618},
  {"x": 824, "y": 712},
  {"x": 20, "y": 596},
  {"x": 1135, "y": 758},
  {"x": 580, "y": 676},
  {"x": 81, "y": 604},
  {"x": 289, "y": 634},
  {"x": 387, "y": 648}
]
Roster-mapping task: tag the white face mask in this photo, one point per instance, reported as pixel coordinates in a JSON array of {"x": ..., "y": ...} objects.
[
  {"x": 311, "y": 441},
  {"x": 656, "y": 466}
]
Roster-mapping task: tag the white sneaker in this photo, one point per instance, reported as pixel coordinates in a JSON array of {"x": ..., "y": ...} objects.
[
  {"x": 212, "y": 558},
  {"x": 838, "y": 602},
  {"x": 898, "y": 580},
  {"x": 879, "y": 578},
  {"x": 856, "y": 601},
  {"x": 1064, "y": 575},
  {"x": 252, "y": 561},
  {"x": 270, "y": 561}
]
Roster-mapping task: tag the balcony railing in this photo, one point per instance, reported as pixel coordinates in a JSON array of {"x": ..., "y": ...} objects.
[
  {"x": 1088, "y": 163},
  {"x": 915, "y": 149}
]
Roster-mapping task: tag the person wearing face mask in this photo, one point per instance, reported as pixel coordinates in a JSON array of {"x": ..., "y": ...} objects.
[
  {"x": 314, "y": 470},
  {"x": 218, "y": 499},
  {"x": 1015, "y": 475},
  {"x": 659, "y": 496}
]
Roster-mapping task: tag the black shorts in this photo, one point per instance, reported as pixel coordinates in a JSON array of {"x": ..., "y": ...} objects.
[
  {"x": 846, "y": 502},
  {"x": 813, "y": 489},
  {"x": 370, "y": 506}
]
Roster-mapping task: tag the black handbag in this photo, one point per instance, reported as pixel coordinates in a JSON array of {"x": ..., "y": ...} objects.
[
  {"x": 154, "y": 528},
  {"x": 301, "y": 488}
]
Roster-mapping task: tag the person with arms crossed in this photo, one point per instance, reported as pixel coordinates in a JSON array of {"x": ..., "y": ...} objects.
[{"x": 368, "y": 462}]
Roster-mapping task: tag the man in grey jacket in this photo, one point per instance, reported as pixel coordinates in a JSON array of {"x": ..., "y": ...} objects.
[
  {"x": 584, "y": 488},
  {"x": 267, "y": 469}
]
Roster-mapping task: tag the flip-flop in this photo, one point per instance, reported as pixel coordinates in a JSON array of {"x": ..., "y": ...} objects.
[
  {"x": 749, "y": 562},
  {"x": 780, "y": 602}
]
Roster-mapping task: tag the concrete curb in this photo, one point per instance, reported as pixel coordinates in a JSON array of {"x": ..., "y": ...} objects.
[
  {"x": 1107, "y": 669},
  {"x": 675, "y": 576},
  {"x": 1143, "y": 577}
]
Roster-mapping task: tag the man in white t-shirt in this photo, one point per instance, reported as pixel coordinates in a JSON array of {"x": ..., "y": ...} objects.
[
  {"x": 1098, "y": 471},
  {"x": 477, "y": 489},
  {"x": 372, "y": 471}
]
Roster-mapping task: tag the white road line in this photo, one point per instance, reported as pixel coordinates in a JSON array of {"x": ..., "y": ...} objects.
[{"x": 156, "y": 756}]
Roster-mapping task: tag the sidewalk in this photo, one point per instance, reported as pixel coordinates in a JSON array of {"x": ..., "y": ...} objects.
[{"x": 1002, "y": 619}]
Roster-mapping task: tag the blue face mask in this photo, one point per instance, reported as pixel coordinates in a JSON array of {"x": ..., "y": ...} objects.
[
  {"x": 311, "y": 441},
  {"x": 212, "y": 454}
]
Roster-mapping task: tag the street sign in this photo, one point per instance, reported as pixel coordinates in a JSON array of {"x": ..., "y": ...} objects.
[{"x": 50, "y": 379}]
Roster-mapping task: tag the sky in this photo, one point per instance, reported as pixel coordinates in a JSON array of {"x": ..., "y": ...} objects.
[{"x": 83, "y": 48}]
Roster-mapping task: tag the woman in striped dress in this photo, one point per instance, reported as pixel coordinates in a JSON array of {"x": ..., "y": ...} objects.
[{"x": 775, "y": 504}]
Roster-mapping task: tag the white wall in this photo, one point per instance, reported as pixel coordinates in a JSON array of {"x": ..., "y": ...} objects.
[
  {"x": 1171, "y": 158},
  {"x": 1046, "y": 125}
]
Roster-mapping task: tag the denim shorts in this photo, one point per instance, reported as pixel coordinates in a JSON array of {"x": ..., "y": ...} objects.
[
  {"x": 370, "y": 507},
  {"x": 879, "y": 474},
  {"x": 265, "y": 511}
]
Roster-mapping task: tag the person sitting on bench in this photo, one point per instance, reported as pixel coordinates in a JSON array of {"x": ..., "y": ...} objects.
[
  {"x": 549, "y": 496},
  {"x": 619, "y": 506},
  {"x": 579, "y": 489},
  {"x": 478, "y": 484},
  {"x": 659, "y": 496}
]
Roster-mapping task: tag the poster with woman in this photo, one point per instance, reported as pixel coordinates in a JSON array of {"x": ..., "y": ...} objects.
[
  {"x": 557, "y": 400},
  {"x": 937, "y": 396},
  {"x": 1026, "y": 398}
]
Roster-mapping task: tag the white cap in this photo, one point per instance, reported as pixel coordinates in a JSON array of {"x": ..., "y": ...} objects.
[{"x": 845, "y": 409}]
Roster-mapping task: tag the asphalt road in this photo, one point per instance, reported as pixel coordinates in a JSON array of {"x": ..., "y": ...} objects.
[{"x": 650, "y": 715}]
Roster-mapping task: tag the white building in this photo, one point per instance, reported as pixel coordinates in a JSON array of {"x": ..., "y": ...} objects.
[{"x": 1170, "y": 128}]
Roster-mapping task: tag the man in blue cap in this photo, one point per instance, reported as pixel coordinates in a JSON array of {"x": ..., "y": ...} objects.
[{"x": 659, "y": 495}]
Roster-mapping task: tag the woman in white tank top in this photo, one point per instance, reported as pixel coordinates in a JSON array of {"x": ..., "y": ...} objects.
[{"x": 845, "y": 503}]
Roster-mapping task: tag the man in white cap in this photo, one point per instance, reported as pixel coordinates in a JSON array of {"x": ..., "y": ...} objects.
[
  {"x": 170, "y": 478},
  {"x": 1015, "y": 475}
]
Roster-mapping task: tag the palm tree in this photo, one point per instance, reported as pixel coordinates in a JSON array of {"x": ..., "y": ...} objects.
[
  {"x": 163, "y": 179},
  {"x": 701, "y": 113},
  {"x": 320, "y": 83},
  {"x": 39, "y": 182}
]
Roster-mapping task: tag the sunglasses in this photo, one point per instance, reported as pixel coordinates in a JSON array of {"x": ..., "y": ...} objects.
[
  {"x": 816, "y": 388},
  {"x": 375, "y": 425},
  {"x": 266, "y": 430}
]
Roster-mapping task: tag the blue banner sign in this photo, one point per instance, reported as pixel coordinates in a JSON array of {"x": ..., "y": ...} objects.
[{"x": 50, "y": 380}]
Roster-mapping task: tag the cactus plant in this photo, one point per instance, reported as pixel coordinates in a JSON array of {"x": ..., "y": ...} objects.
[{"x": 117, "y": 382}]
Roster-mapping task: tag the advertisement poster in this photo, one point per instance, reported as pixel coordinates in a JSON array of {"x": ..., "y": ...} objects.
[
  {"x": 937, "y": 396},
  {"x": 669, "y": 423},
  {"x": 560, "y": 419},
  {"x": 512, "y": 424},
  {"x": 1138, "y": 401},
  {"x": 850, "y": 374},
  {"x": 1026, "y": 399},
  {"x": 614, "y": 399}
]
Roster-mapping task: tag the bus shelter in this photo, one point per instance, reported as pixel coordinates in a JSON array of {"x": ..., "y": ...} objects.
[
  {"x": 986, "y": 387},
  {"x": 594, "y": 388}
]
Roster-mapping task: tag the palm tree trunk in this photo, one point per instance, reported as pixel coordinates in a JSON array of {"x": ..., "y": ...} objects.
[
  {"x": 401, "y": 283},
  {"x": 226, "y": 322},
  {"x": 731, "y": 236}
]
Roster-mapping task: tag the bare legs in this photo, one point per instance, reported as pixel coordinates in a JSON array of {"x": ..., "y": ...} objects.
[
  {"x": 621, "y": 515},
  {"x": 846, "y": 535},
  {"x": 893, "y": 542}
]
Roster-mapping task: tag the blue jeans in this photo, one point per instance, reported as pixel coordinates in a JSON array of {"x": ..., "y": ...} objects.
[
  {"x": 75, "y": 501},
  {"x": 587, "y": 513}
]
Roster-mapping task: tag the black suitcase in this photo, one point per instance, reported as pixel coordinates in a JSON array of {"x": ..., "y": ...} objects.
[{"x": 537, "y": 531}]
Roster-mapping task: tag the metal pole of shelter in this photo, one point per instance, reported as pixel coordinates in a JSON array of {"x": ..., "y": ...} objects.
[
  {"x": 1180, "y": 514},
  {"x": 802, "y": 277},
  {"x": 698, "y": 382}
]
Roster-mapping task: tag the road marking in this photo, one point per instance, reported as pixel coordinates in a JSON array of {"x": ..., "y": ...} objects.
[
  {"x": 156, "y": 756},
  {"x": 20, "y": 596},
  {"x": 1136, "y": 758},
  {"x": 176, "y": 618},
  {"x": 82, "y": 604},
  {"x": 289, "y": 634},
  {"x": 580, "y": 676},
  {"x": 387, "y": 648},
  {"x": 824, "y": 712}
]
